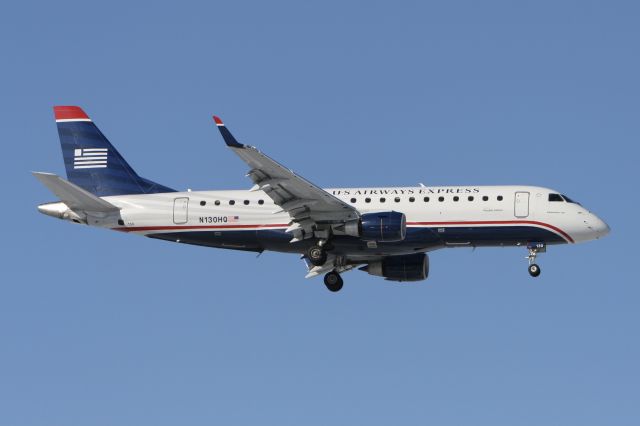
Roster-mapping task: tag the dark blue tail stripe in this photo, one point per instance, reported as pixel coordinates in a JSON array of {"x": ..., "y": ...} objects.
[{"x": 83, "y": 142}]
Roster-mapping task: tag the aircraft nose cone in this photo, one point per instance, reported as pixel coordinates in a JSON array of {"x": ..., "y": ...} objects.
[{"x": 599, "y": 226}]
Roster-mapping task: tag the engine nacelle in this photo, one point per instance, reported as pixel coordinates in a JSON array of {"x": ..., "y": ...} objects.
[
  {"x": 410, "y": 267},
  {"x": 383, "y": 226}
]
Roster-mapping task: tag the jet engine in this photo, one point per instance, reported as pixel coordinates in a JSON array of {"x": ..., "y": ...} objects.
[
  {"x": 410, "y": 267},
  {"x": 381, "y": 227}
]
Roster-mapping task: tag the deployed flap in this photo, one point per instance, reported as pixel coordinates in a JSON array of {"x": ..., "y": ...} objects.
[
  {"x": 295, "y": 195},
  {"x": 73, "y": 196}
]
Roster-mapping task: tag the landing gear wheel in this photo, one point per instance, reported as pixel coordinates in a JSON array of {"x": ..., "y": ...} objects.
[
  {"x": 534, "y": 270},
  {"x": 317, "y": 255},
  {"x": 333, "y": 281}
]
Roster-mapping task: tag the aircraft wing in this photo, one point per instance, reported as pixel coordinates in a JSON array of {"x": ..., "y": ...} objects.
[{"x": 308, "y": 205}]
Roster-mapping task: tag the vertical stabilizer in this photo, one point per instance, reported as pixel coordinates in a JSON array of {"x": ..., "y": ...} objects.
[{"x": 92, "y": 162}]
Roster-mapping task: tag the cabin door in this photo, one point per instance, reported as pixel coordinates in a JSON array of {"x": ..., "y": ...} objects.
[
  {"x": 180, "y": 210},
  {"x": 521, "y": 207}
]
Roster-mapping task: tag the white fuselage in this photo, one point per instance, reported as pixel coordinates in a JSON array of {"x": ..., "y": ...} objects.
[{"x": 440, "y": 208}]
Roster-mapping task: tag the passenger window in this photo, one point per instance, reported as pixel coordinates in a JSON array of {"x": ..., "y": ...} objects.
[
  {"x": 426, "y": 199},
  {"x": 246, "y": 202},
  {"x": 499, "y": 197},
  {"x": 261, "y": 202},
  {"x": 367, "y": 200},
  {"x": 485, "y": 198},
  {"x": 411, "y": 199},
  {"x": 382, "y": 199},
  {"x": 555, "y": 197},
  {"x": 231, "y": 202},
  {"x": 456, "y": 198},
  {"x": 397, "y": 199},
  {"x": 441, "y": 199},
  {"x": 470, "y": 198},
  {"x": 217, "y": 202},
  {"x": 203, "y": 203},
  {"x": 353, "y": 200}
]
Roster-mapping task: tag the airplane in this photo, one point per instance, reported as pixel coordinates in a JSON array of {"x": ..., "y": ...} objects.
[{"x": 386, "y": 232}]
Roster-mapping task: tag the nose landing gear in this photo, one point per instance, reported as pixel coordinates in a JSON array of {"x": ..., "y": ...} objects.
[
  {"x": 534, "y": 249},
  {"x": 534, "y": 270}
]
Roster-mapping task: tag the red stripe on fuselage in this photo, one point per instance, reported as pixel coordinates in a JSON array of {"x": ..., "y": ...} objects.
[
  {"x": 283, "y": 225},
  {"x": 174, "y": 228}
]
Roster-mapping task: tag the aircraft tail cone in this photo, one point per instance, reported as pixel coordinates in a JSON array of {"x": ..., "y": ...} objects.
[{"x": 56, "y": 210}]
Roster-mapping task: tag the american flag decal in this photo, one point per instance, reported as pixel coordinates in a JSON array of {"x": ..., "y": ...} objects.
[
  {"x": 90, "y": 158},
  {"x": 233, "y": 218}
]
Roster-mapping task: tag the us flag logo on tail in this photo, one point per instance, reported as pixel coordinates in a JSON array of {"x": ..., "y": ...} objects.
[{"x": 90, "y": 158}]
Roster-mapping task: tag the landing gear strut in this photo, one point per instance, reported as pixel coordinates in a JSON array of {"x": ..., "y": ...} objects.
[
  {"x": 534, "y": 249},
  {"x": 317, "y": 255},
  {"x": 333, "y": 281}
]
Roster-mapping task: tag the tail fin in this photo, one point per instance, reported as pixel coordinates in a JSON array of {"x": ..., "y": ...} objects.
[{"x": 92, "y": 162}]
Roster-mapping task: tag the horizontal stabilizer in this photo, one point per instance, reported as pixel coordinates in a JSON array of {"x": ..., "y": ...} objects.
[{"x": 73, "y": 196}]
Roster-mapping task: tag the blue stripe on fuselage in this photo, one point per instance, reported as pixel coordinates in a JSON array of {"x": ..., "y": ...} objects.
[{"x": 417, "y": 238}]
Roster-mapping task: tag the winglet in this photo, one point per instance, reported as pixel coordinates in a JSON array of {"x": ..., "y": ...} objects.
[{"x": 226, "y": 134}]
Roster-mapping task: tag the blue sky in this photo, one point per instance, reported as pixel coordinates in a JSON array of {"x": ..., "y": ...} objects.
[{"x": 102, "y": 328}]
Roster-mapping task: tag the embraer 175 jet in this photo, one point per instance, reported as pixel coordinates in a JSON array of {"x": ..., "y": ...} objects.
[{"x": 383, "y": 231}]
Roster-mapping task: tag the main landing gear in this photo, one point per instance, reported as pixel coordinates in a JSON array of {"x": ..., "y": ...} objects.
[
  {"x": 317, "y": 255},
  {"x": 534, "y": 249},
  {"x": 333, "y": 281}
]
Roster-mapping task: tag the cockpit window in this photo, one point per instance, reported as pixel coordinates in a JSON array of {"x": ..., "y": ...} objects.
[
  {"x": 555, "y": 197},
  {"x": 569, "y": 200}
]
